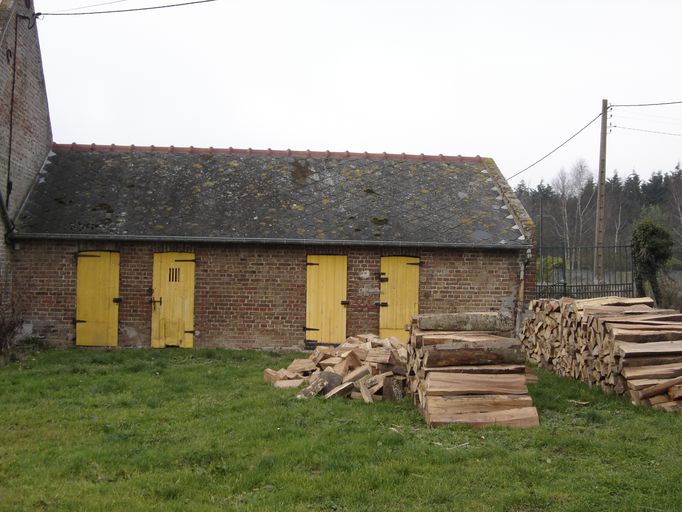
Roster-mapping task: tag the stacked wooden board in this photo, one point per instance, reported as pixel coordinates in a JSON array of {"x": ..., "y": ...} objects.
[
  {"x": 468, "y": 374},
  {"x": 364, "y": 367},
  {"x": 623, "y": 345}
]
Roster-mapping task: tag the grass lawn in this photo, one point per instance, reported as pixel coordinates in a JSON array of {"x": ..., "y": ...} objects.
[{"x": 199, "y": 430}]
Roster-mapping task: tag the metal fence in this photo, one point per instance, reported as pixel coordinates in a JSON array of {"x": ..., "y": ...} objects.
[{"x": 569, "y": 272}]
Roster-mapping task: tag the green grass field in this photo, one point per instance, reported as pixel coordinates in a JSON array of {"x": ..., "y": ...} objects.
[{"x": 198, "y": 430}]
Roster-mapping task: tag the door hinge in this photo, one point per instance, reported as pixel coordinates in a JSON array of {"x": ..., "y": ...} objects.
[
  {"x": 75, "y": 321},
  {"x": 312, "y": 264},
  {"x": 310, "y": 329},
  {"x": 345, "y": 303},
  {"x": 190, "y": 332},
  {"x": 380, "y": 304},
  {"x": 418, "y": 264},
  {"x": 186, "y": 261},
  {"x": 117, "y": 300}
]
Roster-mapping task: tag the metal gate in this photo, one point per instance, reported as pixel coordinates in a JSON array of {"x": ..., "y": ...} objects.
[{"x": 569, "y": 272}]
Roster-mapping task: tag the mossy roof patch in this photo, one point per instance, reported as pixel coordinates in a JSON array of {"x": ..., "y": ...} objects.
[{"x": 129, "y": 194}]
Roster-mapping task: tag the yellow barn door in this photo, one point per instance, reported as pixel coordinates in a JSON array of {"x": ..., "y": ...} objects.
[
  {"x": 399, "y": 295},
  {"x": 173, "y": 300},
  {"x": 97, "y": 274},
  {"x": 326, "y": 299}
]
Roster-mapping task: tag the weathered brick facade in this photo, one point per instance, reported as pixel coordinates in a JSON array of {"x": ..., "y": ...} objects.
[
  {"x": 23, "y": 112},
  {"x": 254, "y": 296}
]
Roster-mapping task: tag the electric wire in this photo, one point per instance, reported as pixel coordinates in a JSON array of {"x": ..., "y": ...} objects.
[
  {"x": 92, "y": 5},
  {"x": 166, "y": 6},
  {"x": 649, "y": 104},
  {"x": 556, "y": 148},
  {"x": 646, "y": 131}
]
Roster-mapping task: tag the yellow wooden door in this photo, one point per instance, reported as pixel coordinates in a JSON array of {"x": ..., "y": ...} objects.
[
  {"x": 399, "y": 295},
  {"x": 97, "y": 275},
  {"x": 173, "y": 300},
  {"x": 326, "y": 299}
]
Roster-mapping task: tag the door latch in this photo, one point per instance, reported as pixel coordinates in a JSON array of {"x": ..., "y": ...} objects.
[{"x": 380, "y": 304}]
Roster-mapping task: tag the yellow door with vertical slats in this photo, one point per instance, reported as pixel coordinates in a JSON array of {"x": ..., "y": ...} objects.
[
  {"x": 325, "y": 297},
  {"x": 173, "y": 300},
  {"x": 399, "y": 295},
  {"x": 97, "y": 276}
]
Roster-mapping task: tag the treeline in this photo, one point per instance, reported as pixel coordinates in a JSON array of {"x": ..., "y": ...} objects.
[{"x": 564, "y": 209}]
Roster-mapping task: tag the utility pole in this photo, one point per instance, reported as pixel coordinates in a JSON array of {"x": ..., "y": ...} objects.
[{"x": 601, "y": 188}]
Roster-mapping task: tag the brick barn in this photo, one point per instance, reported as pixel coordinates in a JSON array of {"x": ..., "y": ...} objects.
[{"x": 193, "y": 247}]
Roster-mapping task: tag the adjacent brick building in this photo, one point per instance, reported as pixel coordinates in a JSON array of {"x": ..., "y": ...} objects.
[
  {"x": 25, "y": 135},
  {"x": 140, "y": 246}
]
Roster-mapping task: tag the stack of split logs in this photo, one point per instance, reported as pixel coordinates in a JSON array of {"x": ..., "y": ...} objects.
[
  {"x": 463, "y": 368},
  {"x": 364, "y": 367},
  {"x": 623, "y": 345}
]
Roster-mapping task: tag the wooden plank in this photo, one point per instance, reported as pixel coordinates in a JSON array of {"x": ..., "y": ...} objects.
[
  {"x": 314, "y": 388},
  {"x": 380, "y": 355},
  {"x": 632, "y": 361},
  {"x": 343, "y": 389},
  {"x": 330, "y": 361},
  {"x": 442, "y": 339},
  {"x": 452, "y": 384},
  {"x": 663, "y": 371},
  {"x": 466, "y": 353},
  {"x": 365, "y": 393},
  {"x": 639, "y": 384},
  {"x": 302, "y": 366},
  {"x": 358, "y": 373},
  {"x": 481, "y": 321},
  {"x": 628, "y": 349},
  {"x": 660, "y": 388},
  {"x": 482, "y": 368},
  {"x": 441, "y": 405},
  {"x": 646, "y": 336},
  {"x": 523, "y": 417},
  {"x": 285, "y": 384},
  {"x": 270, "y": 375}
]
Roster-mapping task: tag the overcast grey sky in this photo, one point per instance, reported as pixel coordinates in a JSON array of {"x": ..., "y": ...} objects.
[{"x": 505, "y": 79}]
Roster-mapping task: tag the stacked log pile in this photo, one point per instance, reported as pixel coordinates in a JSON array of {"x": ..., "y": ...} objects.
[
  {"x": 623, "y": 345},
  {"x": 461, "y": 370},
  {"x": 364, "y": 367}
]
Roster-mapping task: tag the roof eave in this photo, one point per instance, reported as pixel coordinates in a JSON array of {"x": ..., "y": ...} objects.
[{"x": 268, "y": 241}]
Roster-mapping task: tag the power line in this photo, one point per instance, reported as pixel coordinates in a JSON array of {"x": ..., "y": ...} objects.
[
  {"x": 647, "y": 131},
  {"x": 93, "y": 5},
  {"x": 649, "y": 104},
  {"x": 558, "y": 147},
  {"x": 121, "y": 10}
]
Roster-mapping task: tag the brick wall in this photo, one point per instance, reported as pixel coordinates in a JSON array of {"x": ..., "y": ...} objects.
[
  {"x": 31, "y": 133},
  {"x": 253, "y": 296}
]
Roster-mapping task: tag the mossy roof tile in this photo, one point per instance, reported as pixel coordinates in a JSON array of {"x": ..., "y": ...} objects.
[{"x": 246, "y": 195}]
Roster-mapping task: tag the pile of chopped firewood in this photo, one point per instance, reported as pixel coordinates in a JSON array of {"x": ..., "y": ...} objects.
[
  {"x": 364, "y": 367},
  {"x": 623, "y": 345},
  {"x": 461, "y": 370}
]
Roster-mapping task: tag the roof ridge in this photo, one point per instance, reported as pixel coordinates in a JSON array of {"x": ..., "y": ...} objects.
[{"x": 266, "y": 152}]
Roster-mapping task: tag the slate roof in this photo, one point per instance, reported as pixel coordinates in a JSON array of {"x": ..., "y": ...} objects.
[{"x": 190, "y": 194}]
